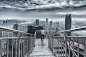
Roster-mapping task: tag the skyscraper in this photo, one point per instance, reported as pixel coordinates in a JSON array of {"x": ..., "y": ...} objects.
[
  {"x": 37, "y": 22},
  {"x": 68, "y": 23},
  {"x": 46, "y": 21},
  {"x": 50, "y": 25},
  {"x": 15, "y": 26}
]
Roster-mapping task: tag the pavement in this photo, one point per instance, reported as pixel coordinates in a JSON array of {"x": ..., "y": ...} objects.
[{"x": 41, "y": 49}]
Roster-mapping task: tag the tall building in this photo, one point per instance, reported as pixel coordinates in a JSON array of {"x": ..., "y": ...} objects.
[
  {"x": 50, "y": 25},
  {"x": 68, "y": 23},
  {"x": 46, "y": 23},
  {"x": 15, "y": 26},
  {"x": 37, "y": 22},
  {"x": 57, "y": 25}
]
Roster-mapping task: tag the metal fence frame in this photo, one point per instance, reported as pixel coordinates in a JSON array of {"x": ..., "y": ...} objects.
[
  {"x": 64, "y": 37},
  {"x": 23, "y": 45}
]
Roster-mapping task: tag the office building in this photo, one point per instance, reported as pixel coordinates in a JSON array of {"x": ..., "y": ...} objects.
[
  {"x": 46, "y": 23},
  {"x": 37, "y": 22},
  {"x": 50, "y": 25},
  {"x": 68, "y": 23}
]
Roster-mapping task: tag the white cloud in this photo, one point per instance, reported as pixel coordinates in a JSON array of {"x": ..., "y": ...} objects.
[{"x": 73, "y": 13}]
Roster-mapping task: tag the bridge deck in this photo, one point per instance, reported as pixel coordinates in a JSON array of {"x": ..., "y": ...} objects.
[{"x": 41, "y": 49}]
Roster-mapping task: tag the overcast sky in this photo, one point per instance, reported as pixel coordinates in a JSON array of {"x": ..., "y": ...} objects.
[
  {"x": 39, "y": 15},
  {"x": 51, "y": 11}
]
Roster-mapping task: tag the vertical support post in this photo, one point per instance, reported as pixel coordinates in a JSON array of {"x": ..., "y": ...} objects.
[
  {"x": 66, "y": 44},
  {"x": 52, "y": 43},
  {"x": 78, "y": 47},
  {"x": 12, "y": 47},
  {"x": 21, "y": 47},
  {"x": 48, "y": 41},
  {"x": 27, "y": 45},
  {"x": 18, "y": 44},
  {"x": 63, "y": 46},
  {"x": 58, "y": 41},
  {"x": 7, "y": 48},
  {"x": 73, "y": 47},
  {"x": 31, "y": 41},
  {"x": 34, "y": 40},
  {"x": 85, "y": 47},
  {"x": 69, "y": 47},
  {"x": 15, "y": 47},
  {"x": 0, "y": 49}
]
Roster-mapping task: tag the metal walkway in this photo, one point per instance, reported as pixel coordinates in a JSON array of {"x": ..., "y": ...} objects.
[{"x": 41, "y": 49}]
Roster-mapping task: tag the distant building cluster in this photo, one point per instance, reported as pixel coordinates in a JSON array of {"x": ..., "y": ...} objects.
[
  {"x": 49, "y": 25},
  {"x": 9, "y": 23}
]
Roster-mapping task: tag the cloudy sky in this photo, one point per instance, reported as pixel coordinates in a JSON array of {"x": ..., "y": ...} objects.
[{"x": 41, "y": 10}]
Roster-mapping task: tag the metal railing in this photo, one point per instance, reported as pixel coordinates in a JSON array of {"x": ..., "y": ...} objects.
[
  {"x": 16, "y": 46},
  {"x": 63, "y": 45}
]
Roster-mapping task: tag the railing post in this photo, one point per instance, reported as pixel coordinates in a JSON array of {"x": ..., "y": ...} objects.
[
  {"x": 63, "y": 46},
  {"x": 52, "y": 43},
  {"x": 78, "y": 47},
  {"x": 18, "y": 44},
  {"x": 16, "y": 48},
  {"x": 12, "y": 47},
  {"x": 34, "y": 41},
  {"x": 49, "y": 41},
  {"x": 31, "y": 43},
  {"x": 7, "y": 48},
  {"x": 21, "y": 47},
  {"x": 0, "y": 49},
  {"x": 27, "y": 45},
  {"x": 69, "y": 47},
  {"x": 85, "y": 47},
  {"x": 73, "y": 47},
  {"x": 66, "y": 44}
]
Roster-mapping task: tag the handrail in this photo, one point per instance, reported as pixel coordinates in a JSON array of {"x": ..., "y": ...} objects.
[
  {"x": 23, "y": 45},
  {"x": 71, "y": 36},
  {"x": 72, "y": 30},
  {"x": 64, "y": 37},
  {"x": 13, "y": 30},
  {"x": 4, "y": 38}
]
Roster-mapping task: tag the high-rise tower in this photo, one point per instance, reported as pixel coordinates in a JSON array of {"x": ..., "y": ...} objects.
[
  {"x": 68, "y": 23},
  {"x": 37, "y": 22}
]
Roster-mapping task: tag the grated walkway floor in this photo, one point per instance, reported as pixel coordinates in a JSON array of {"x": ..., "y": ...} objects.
[{"x": 41, "y": 49}]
